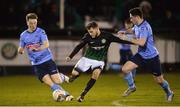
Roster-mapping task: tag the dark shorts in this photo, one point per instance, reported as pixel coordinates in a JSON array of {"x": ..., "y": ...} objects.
[
  {"x": 125, "y": 55},
  {"x": 152, "y": 64},
  {"x": 48, "y": 67}
]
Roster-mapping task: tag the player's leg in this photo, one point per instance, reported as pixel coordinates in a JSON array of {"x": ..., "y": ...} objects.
[
  {"x": 47, "y": 80},
  {"x": 130, "y": 55},
  {"x": 74, "y": 75},
  {"x": 165, "y": 86},
  {"x": 41, "y": 72},
  {"x": 55, "y": 76},
  {"x": 155, "y": 66},
  {"x": 54, "y": 87},
  {"x": 128, "y": 67},
  {"x": 95, "y": 75},
  {"x": 128, "y": 77},
  {"x": 81, "y": 66},
  {"x": 59, "y": 78}
]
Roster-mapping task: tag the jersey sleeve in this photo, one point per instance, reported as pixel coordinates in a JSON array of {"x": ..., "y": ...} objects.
[
  {"x": 82, "y": 43},
  {"x": 43, "y": 36},
  {"x": 143, "y": 32},
  {"x": 113, "y": 38},
  {"x": 21, "y": 42}
]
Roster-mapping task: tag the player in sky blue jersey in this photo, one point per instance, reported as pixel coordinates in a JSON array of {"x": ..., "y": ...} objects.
[
  {"x": 35, "y": 41},
  {"x": 147, "y": 55},
  {"x": 125, "y": 49}
]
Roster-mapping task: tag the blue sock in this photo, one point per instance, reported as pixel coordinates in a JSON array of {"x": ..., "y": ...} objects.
[
  {"x": 56, "y": 87},
  {"x": 134, "y": 73},
  {"x": 165, "y": 87},
  {"x": 129, "y": 78},
  {"x": 62, "y": 77}
]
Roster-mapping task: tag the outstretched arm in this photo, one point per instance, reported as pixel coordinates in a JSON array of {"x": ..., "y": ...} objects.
[
  {"x": 137, "y": 41},
  {"x": 119, "y": 40},
  {"x": 76, "y": 49}
]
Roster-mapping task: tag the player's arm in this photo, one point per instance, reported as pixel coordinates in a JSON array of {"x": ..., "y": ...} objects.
[
  {"x": 118, "y": 40},
  {"x": 138, "y": 41},
  {"x": 41, "y": 47},
  {"x": 21, "y": 45},
  {"x": 20, "y": 50},
  {"x": 82, "y": 43},
  {"x": 44, "y": 44}
]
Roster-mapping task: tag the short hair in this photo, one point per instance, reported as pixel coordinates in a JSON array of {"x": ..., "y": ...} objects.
[
  {"x": 31, "y": 16},
  {"x": 136, "y": 12},
  {"x": 91, "y": 25}
]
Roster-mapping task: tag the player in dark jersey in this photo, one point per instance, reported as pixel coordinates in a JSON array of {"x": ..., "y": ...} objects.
[{"x": 98, "y": 43}]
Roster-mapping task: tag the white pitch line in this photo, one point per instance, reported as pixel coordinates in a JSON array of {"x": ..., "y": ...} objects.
[{"x": 117, "y": 103}]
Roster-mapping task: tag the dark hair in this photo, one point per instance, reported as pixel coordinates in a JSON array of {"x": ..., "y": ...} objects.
[
  {"x": 136, "y": 12},
  {"x": 92, "y": 25},
  {"x": 31, "y": 16}
]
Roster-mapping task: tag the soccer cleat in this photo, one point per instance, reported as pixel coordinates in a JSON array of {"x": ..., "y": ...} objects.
[
  {"x": 129, "y": 91},
  {"x": 170, "y": 97},
  {"x": 80, "y": 98}
]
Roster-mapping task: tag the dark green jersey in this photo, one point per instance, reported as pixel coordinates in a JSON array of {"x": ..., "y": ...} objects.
[{"x": 98, "y": 46}]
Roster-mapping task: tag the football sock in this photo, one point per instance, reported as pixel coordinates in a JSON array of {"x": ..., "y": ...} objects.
[
  {"x": 56, "y": 87},
  {"x": 88, "y": 86},
  {"x": 129, "y": 78},
  {"x": 134, "y": 73},
  {"x": 166, "y": 87},
  {"x": 62, "y": 76}
]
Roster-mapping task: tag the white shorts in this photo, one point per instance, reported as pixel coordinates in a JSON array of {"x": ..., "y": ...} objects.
[{"x": 85, "y": 63}]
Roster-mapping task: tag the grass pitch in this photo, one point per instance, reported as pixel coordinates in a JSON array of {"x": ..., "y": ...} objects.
[{"x": 27, "y": 90}]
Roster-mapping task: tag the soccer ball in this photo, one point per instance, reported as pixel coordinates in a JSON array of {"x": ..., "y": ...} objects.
[{"x": 59, "y": 95}]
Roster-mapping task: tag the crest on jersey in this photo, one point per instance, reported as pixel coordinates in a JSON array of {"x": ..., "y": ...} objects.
[{"x": 103, "y": 40}]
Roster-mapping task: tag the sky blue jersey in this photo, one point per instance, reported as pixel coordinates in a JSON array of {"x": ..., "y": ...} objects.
[
  {"x": 144, "y": 31},
  {"x": 36, "y": 38}
]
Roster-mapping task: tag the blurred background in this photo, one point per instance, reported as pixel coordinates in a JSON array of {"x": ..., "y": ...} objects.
[{"x": 64, "y": 22}]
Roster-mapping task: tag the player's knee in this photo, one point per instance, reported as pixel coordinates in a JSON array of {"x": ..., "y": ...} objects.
[
  {"x": 124, "y": 69},
  {"x": 96, "y": 74},
  {"x": 75, "y": 73},
  {"x": 57, "y": 81}
]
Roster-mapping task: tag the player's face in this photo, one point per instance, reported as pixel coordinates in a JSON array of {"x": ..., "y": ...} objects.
[
  {"x": 32, "y": 24},
  {"x": 133, "y": 19},
  {"x": 93, "y": 32}
]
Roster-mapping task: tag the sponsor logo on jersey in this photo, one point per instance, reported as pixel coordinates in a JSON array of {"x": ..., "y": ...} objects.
[
  {"x": 98, "y": 48},
  {"x": 103, "y": 40}
]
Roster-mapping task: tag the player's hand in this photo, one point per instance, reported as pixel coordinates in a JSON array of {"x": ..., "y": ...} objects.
[
  {"x": 33, "y": 48},
  {"x": 68, "y": 59},
  {"x": 122, "y": 35},
  {"x": 21, "y": 52}
]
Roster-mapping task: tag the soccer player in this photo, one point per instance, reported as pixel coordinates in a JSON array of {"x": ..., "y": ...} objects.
[
  {"x": 125, "y": 49},
  {"x": 35, "y": 41},
  {"x": 98, "y": 43},
  {"x": 147, "y": 55}
]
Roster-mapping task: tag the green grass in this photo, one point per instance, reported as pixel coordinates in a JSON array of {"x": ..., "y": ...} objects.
[{"x": 27, "y": 90}]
